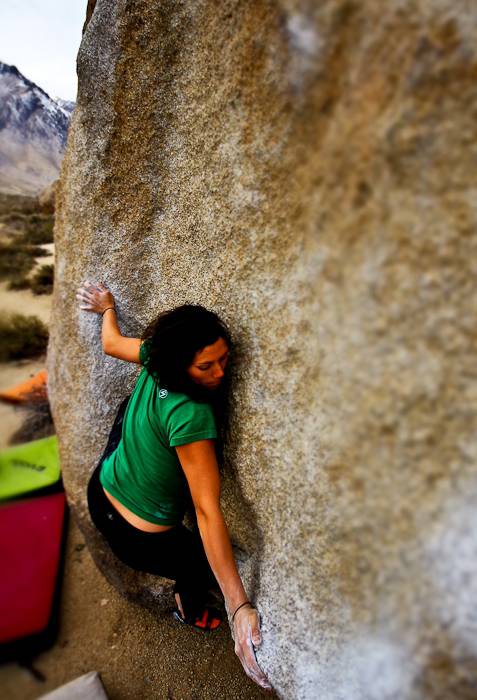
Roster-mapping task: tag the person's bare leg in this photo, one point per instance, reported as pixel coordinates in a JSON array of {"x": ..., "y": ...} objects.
[{"x": 179, "y": 604}]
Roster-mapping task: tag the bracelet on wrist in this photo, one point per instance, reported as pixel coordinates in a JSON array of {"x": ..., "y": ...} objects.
[
  {"x": 247, "y": 602},
  {"x": 109, "y": 307}
]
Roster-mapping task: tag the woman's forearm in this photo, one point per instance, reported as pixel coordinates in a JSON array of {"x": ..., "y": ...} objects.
[
  {"x": 98, "y": 299},
  {"x": 216, "y": 540},
  {"x": 110, "y": 329},
  {"x": 218, "y": 548}
]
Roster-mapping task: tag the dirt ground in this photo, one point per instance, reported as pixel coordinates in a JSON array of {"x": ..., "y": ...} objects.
[{"x": 23, "y": 301}]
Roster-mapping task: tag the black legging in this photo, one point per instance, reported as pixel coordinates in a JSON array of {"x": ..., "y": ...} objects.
[{"x": 177, "y": 554}]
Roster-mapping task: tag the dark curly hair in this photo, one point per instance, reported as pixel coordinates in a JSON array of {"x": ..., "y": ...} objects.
[{"x": 171, "y": 342}]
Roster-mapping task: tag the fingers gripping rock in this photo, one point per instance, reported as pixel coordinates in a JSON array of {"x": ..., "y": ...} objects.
[{"x": 247, "y": 635}]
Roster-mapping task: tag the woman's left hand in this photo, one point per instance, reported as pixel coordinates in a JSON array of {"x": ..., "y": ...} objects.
[
  {"x": 247, "y": 635},
  {"x": 95, "y": 297}
]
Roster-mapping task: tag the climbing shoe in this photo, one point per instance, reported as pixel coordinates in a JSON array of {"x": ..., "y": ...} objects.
[{"x": 209, "y": 620}]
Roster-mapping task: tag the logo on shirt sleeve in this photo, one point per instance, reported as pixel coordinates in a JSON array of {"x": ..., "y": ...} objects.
[{"x": 163, "y": 393}]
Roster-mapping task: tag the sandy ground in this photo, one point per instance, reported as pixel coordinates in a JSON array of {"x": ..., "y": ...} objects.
[{"x": 23, "y": 301}]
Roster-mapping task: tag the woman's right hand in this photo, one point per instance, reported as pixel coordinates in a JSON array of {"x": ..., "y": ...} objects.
[
  {"x": 247, "y": 635},
  {"x": 95, "y": 297}
]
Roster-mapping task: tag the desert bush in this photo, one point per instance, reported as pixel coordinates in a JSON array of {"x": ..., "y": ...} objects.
[
  {"x": 29, "y": 229},
  {"x": 18, "y": 203},
  {"x": 37, "y": 422},
  {"x": 20, "y": 283},
  {"x": 14, "y": 220},
  {"x": 17, "y": 259},
  {"x": 38, "y": 229},
  {"x": 21, "y": 336},
  {"x": 42, "y": 280}
]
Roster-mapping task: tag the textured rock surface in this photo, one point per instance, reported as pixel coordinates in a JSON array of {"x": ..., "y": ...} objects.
[{"x": 309, "y": 173}]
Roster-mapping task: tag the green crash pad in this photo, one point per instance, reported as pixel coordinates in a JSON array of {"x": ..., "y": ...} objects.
[{"x": 28, "y": 467}]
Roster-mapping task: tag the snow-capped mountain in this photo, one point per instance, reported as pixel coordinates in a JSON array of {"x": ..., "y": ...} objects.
[
  {"x": 65, "y": 105},
  {"x": 33, "y": 131}
]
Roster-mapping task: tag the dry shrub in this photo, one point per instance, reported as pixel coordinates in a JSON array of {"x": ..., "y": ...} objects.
[
  {"x": 17, "y": 259},
  {"x": 38, "y": 229},
  {"x": 21, "y": 336},
  {"x": 37, "y": 422},
  {"x": 42, "y": 280},
  {"x": 20, "y": 283}
]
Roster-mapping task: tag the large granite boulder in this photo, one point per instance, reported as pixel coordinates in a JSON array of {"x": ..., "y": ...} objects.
[{"x": 307, "y": 170}]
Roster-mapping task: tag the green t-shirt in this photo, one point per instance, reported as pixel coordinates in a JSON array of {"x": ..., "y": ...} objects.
[{"x": 144, "y": 472}]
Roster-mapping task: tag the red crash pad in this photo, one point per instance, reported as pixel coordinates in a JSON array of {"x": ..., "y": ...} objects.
[{"x": 30, "y": 552}]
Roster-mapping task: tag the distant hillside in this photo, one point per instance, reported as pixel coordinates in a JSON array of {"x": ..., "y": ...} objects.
[{"x": 33, "y": 131}]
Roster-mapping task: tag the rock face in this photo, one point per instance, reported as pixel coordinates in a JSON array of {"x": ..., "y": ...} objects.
[{"x": 308, "y": 171}]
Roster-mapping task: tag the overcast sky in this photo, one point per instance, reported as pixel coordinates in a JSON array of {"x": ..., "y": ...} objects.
[{"x": 41, "y": 38}]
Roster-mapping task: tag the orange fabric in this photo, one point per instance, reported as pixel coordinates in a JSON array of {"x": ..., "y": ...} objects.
[
  {"x": 205, "y": 623},
  {"x": 19, "y": 393}
]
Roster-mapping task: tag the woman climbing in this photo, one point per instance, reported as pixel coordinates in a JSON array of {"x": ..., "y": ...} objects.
[{"x": 161, "y": 456}]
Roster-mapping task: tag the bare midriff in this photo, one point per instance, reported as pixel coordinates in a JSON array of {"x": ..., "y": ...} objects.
[{"x": 134, "y": 519}]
